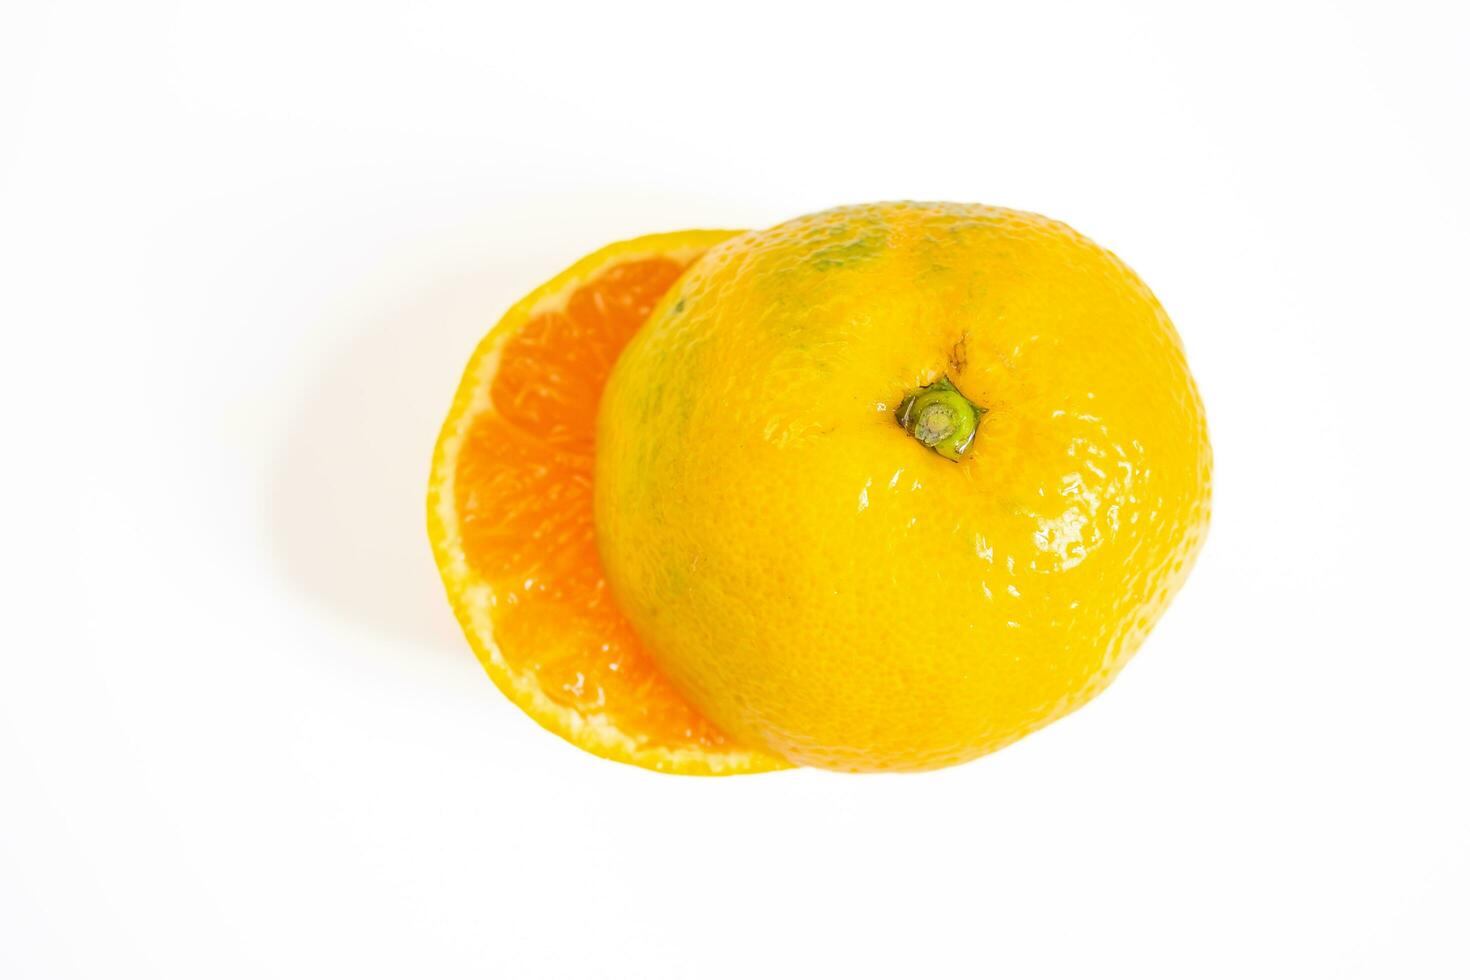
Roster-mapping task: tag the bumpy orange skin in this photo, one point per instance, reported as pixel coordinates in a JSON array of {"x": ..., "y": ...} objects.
[{"x": 818, "y": 583}]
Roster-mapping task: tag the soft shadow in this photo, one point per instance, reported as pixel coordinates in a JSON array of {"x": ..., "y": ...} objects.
[
  {"x": 346, "y": 508},
  {"x": 345, "y": 511}
]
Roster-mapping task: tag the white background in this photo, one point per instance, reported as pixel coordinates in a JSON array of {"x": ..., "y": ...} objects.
[{"x": 245, "y": 249}]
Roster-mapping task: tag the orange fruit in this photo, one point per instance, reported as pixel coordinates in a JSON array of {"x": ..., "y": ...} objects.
[
  {"x": 883, "y": 488},
  {"x": 511, "y": 522},
  {"x": 814, "y": 538}
]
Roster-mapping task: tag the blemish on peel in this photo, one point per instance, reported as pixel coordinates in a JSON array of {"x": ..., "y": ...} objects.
[{"x": 959, "y": 357}]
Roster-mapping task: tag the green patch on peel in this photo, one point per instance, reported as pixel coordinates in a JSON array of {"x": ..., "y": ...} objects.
[{"x": 857, "y": 251}]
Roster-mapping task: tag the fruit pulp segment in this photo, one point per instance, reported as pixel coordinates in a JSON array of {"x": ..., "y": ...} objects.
[{"x": 524, "y": 496}]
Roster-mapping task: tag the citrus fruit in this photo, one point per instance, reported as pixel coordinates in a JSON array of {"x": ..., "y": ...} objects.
[
  {"x": 510, "y": 517},
  {"x": 889, "y": 487}
]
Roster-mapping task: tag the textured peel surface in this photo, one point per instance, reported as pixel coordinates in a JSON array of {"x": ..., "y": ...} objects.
[{"x": 819, "y": 584}]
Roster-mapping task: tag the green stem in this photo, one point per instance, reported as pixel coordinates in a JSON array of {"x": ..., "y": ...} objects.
[{"x": 939, "y": 417}]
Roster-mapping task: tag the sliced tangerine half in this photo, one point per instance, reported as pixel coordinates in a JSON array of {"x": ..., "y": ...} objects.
[{"x": 510, "y": 517}]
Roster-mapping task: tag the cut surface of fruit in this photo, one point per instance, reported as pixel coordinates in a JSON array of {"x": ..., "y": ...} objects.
[{"x": 511, "y": 519}]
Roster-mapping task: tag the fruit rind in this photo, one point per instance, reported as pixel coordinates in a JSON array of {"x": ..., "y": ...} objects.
[{"x": 823, "y": 586}]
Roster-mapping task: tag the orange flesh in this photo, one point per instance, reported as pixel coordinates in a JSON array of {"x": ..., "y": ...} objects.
[{"x": 524, "y": 495}]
